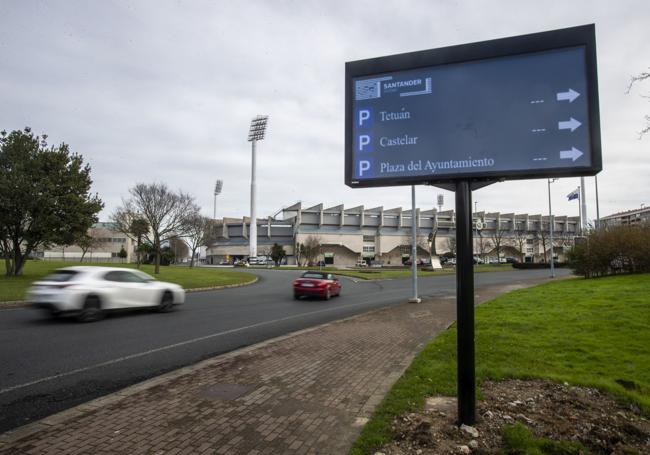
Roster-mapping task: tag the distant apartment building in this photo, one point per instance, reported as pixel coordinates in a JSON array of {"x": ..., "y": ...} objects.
[
  {"x": 108, "y": 242},
  {"x": 383, "y": 236},
  {"x": 627, "y": 218}
]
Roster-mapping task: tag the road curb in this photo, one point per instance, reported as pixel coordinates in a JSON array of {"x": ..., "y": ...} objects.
[{"x": 10, "y": 304}]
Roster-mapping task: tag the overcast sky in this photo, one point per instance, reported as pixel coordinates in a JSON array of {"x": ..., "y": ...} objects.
[{"x": 165, "y": 90}]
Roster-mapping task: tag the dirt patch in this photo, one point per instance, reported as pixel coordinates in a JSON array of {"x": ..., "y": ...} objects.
[{"x": 553, "y": 411}]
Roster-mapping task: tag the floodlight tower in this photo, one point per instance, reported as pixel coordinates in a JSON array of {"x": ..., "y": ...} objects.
[
  {"x": 217, "y": 191},
  {"x": 256, "y": 133}
]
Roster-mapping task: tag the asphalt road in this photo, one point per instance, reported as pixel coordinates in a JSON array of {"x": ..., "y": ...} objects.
[{"x": 50, "y": 365}]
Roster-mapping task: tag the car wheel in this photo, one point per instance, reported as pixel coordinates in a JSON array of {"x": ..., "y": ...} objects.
[
  {"x": 296, "y": 296},
  {"x": 328, "y": 294},
  {"x": 166, "y": 303},
  {"x": 92, "y": 310}
]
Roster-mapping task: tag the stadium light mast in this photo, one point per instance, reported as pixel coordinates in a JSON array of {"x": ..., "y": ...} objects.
[
  {"x": 256, "y": 133},
  {"x": 217, "y": 191}
]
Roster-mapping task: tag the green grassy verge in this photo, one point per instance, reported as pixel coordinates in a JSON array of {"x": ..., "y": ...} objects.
[
  {"x": 14, "y": 288},
  {"x": 383, "y": 274},
  {"x": 585, "y": 332}
]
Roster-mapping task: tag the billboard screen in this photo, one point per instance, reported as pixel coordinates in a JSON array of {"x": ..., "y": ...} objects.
[{"x": 522, "y": 107}]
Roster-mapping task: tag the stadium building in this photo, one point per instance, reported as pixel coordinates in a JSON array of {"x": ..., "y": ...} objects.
[{"x": 381, "y": 236}]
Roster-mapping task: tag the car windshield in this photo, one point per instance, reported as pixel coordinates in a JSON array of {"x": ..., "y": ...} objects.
[
  {"x": 320, "y": 276},
  {"x": 61, "y": 276}
]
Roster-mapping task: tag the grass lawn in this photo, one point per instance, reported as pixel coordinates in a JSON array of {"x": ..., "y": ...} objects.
[
  {"x": 383, "y": 274},
  {"x": 13, "y": 288},
  {"x": 585, "y": 332}
]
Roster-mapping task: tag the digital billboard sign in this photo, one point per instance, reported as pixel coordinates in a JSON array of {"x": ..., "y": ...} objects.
[{"x": 513, "y": 108}]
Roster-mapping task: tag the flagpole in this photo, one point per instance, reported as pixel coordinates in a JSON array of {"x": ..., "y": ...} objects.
[{"x": 580, "y": 210}]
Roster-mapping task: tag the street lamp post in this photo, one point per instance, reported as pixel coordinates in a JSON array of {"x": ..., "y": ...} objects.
[
  {"x": 414, "y": 250},
  {"x": 551, "y": 226},
  {"x": 256, "y": 133},
  {"x": 217, "y": 191}
]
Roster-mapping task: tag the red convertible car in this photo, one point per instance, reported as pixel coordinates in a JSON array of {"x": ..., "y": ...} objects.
[{"x": 319, "y": 284}]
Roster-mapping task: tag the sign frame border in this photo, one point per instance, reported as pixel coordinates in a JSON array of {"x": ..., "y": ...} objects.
[{"x": 584, "y": 35}]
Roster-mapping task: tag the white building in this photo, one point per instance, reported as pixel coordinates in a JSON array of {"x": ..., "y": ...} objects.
[{"x": 347, "y": 235}]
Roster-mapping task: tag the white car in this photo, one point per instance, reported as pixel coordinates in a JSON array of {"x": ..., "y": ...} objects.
[{"x": 88, "y": 292}]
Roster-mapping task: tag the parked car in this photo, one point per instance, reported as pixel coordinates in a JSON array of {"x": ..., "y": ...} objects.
[
  {"x": 318, "y": 284},
  {"x": 408, "y": 262},
  {"x": 361, "y": 263},
  {"x": 89, "y": 292}
]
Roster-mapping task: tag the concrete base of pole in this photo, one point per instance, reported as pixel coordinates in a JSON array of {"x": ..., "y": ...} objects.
[{"x": 415, "y": 300}]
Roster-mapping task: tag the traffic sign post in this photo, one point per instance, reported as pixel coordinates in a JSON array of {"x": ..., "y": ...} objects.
[
  {"x": 465, "y": 304},
  {"x": 463, "y": 117}
]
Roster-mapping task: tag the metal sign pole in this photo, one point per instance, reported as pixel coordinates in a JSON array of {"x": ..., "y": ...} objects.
[
  {"x": 465, "y": 304},
  {"x": 414, "y": 250}
]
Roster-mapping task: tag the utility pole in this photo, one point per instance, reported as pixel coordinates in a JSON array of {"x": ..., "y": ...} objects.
[
  {"x": 551, "y": 227},
  {"x": 583, "y": 205}
]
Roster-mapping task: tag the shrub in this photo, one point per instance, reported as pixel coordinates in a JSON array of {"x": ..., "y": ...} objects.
[{"x": 607, "y": 251}]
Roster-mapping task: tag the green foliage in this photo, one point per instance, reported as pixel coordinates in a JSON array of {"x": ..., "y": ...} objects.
[
  {"x": 619, "y": 249},
  {"x": 44, "y": 196},
  {"x": 277, "y": 253},
  {"x": 519, "y": 440},
  {"x": 122, "y": 253},
  {"x": 585, "y": 332}
]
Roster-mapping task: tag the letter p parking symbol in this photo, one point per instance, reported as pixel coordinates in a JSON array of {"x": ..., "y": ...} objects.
[
  {"x": 364, "y": 118},
  {"x": 364, "y": 166}
]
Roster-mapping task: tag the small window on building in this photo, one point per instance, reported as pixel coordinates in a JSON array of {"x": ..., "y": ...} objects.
[
  {"x": 368, "y": 249},
  {"x": 369, "y": 238}
]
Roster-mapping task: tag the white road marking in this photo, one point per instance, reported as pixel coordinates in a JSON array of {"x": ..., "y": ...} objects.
[{"x": 165, "y": 348}]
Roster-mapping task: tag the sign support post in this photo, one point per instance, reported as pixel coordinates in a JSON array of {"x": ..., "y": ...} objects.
[{"x": 465, "y": 304}]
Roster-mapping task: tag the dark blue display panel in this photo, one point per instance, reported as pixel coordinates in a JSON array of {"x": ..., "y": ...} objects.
[{"x": 513, "y": 116}]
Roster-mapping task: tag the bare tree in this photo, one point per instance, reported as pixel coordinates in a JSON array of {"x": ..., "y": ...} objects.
[
  {"x": 497, "y": 237},
  {"x": 138, "y": 228},
  {"x": 165, "y": 211},
  {"x": 542, "y": 235},
  {"x": 178, "y": 249},
  {"x": 311, "y": 248},
  {"x": 451, "y": 245},
  {"x": 197, "y": 228},
  {"x": 636, "y": 79},
  {"x": 87, "y": 241},
  {"x": 484, "y": 245},
  {"x": 520, "y": 238}
]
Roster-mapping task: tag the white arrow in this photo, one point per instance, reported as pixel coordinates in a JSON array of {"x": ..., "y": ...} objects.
[
  {"x": 569, "y": 125},
  {"x": 572, "y": 154},
  {"x": 570, "y": 95}
]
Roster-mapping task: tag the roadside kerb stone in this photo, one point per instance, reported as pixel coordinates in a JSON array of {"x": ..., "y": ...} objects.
[{"x": 308, "y": 392}]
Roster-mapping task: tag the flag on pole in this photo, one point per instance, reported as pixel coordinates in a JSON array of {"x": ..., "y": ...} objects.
[{"x": 575, "y": 194}]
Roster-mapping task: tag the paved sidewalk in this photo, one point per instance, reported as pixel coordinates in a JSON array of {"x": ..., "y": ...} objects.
[{"x": 306, "y": 393}]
